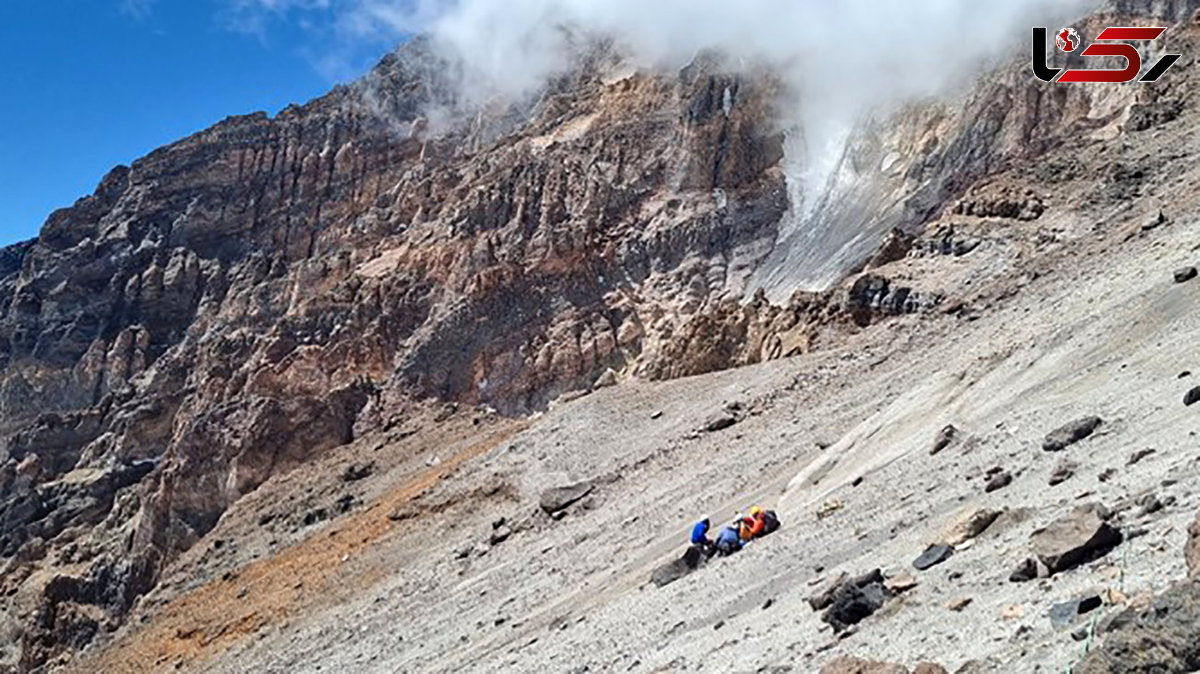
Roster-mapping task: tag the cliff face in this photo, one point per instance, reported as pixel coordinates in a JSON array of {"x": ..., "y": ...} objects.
[
  {"x": 239, "y": 302},
  {"x": 243, "y": 301}
]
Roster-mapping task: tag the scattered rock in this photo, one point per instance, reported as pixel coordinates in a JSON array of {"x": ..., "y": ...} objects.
[
  {"x": 929, "y": 668},
  {"x": 1107, "y": 474},
  {"x": 1065, "y": 470},
  {"x": 1012, "y": 612},
  {"x": 358, "y": 471},
  {"x": 969, "y": 525},
  {"x": 1192, "y": 397},
  {"x": 960, "y": 604},
  {"x": 829, "y": 507},
  {"x": 1070, "y": 434},
  {"x": 1185, "y": 274},
  {"x": 500, "y": 534},
  {"x": 824, "y": 595},
  {"x": 944, "y": 439},
  {"x": 403, "y": 512},
  {"x": 998, "y": 481},
  {"x": 1025, "y": 571},
  {"x": 901, "y": 583},
  {"x": 1154, "y": 220},
  {"x": 609, "y": 378},
  {"x": 1150, "y": 504},
  {"x": 559, "y": 498},
  {"x": 1076, "y": 538},
  {"x": 934, "y": 555},
  {"x": 720, "y": 421},
  {"x": 1065, "y": 613},
  {"x": 1139, "y": 455}
]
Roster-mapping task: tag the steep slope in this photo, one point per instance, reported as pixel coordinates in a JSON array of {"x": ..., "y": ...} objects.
[{"x": 192, "y": 358}]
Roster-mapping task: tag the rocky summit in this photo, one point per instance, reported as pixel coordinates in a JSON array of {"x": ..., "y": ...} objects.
[{"x": 397, "y": 381}]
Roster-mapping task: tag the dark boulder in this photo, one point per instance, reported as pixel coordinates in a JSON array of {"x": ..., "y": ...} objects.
[
  {"x": 1079, "y": 537},
  {"x": 1192, "y": 397},
  {"x": 1185, "y": 274},
  {"x": 1071, "y": 433},
  {"x": 853, "y": 603},
  {"x": 933, "y": 556}
]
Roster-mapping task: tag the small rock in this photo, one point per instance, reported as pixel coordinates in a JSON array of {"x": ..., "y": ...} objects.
[
  {"x": 1025, "y": 571},
  {"x": 720, "y": 421},
  {"x": 1185, "y": 274},
  {"x": 1065, "y": 613},
  {"x": 934, "y": 555},
  {"x": 1065, "y": 470},
  {"x": 657, "y": 415},
  {"x": 969, "y": 525},
  {"x": 1150, "y": 504},
  {"x": 609, "y": 378},
  {"x": 559, "y": 498},
  {"x": 358, "y": 471},
  {"x": 960, "y": 604},
  {"x": 1192, "y": 397},
  {"x": 944, "y": 439},
  {"x": 1154, "y": 220},
  {"x": 1012, "y": 612},
  {"x": 1070, "y": 434},
  {"x": 1107, "y": 474},
  {"x": 901, "y": 583},
  {"x": 1139, "y": 455},
  {"x": 829, "y": 507},
  {"x": 998, "y": 481},
  {"x": 768, "y": 603},
  {"x": 500, "y": 534}
]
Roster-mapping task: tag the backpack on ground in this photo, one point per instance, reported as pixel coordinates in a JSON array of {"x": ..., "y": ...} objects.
[{"x": 770, "y": 522}]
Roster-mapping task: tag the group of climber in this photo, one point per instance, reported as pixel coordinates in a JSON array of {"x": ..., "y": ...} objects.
[{"x": 739, "y": 532}]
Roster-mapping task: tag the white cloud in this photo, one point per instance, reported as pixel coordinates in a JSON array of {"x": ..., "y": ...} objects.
[
  {"x": 840, "y": 59},
  {"x": 138, "y": 9}
]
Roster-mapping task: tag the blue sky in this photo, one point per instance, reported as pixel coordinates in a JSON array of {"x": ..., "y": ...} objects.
[{"x": 89, "y": 84}]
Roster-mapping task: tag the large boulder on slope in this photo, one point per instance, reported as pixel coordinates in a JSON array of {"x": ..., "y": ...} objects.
[{"x": 1080, "y": 536}]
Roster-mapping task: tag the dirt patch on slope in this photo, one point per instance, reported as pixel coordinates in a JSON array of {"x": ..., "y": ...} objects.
[{"x": 326, "y": 568}]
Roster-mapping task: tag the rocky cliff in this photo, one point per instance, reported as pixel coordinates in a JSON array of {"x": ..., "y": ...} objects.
[{"x": 254, "y": 297}]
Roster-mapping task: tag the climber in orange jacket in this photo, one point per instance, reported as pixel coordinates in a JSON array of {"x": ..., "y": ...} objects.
[{"x": 754, "y": 525}]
